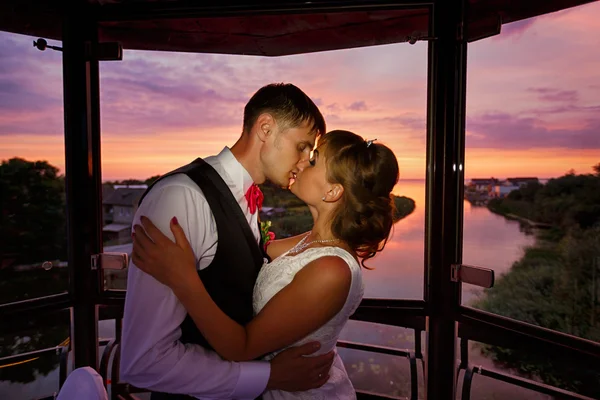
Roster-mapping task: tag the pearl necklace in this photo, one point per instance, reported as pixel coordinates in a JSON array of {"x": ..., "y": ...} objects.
[{"x": 302, "y": 245}]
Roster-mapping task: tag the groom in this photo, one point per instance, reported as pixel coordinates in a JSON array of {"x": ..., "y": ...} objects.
[{"x": 214, "y": 202}]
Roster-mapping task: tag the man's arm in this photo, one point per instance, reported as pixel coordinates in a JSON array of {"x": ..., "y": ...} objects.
[{"x": 152, "y": 356}]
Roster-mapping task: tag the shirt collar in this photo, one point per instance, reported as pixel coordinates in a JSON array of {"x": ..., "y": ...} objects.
[{"x": 239, "y": 175}]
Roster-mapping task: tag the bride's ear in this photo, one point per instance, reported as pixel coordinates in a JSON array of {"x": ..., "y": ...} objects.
[{"x": 334, "y": 193}]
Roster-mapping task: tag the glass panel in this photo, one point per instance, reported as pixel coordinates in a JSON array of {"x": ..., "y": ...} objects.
[
  {"x": 106, "y": 330},
  {"x": 483, "y": 387},
  {"x": 32, "y": 192},
  {"x": 37, "y": 375},
  {"x": 193, "y": 105},
  {"x": 16, "y": 382},
  {"x": 533, "y": 176},
  {"x": 381, "y": 373},
  {"x": 396, "y": 337},
  {"x": 539, "y": 366}
]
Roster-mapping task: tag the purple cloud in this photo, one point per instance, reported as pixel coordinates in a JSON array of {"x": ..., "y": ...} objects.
[
  {"x": 516, "y": 28},
  {"x": 569, "y": 108},
  {"x": 146, "y": 93},
  {"x": 334, "y": 107},
  {"x": 333, "y": 118},
  {"x": 357, "y": 106},
  {"x": 411, "y": 121},
  {"x": 147, "y": 97},
  {"x": 550, "y": 94},
  {"x": 505, "y": 131},
  {"x": 30, "y": 88}
]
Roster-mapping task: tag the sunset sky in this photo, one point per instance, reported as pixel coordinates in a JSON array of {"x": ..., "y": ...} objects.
[{"x": 533, "y": 102}]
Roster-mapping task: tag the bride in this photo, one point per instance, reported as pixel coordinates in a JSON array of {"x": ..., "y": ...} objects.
[{"x": 314, "y": 283}]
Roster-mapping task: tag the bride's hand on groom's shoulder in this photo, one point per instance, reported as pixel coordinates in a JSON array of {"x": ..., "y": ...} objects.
[{"x": 171, "y": 263}]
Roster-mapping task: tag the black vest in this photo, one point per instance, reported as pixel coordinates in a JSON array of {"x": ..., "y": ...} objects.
[{"x": 230, "y": 277}]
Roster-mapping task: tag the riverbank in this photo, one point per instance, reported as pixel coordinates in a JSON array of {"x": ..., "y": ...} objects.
[
  {"x": 493, "y": 206},
  {"x": 539, "y": 290},
  {"x": 554, "y": 284}
]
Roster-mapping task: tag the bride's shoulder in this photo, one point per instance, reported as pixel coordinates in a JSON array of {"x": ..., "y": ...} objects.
[
  {"x": 330, "y": 269},
  {"x": 345, "y": 257}
]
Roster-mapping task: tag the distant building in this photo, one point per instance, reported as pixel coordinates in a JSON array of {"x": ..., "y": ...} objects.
[
  {"x": 483, "y": 185},
  {"x": 502, "y": 189},
  {"x": 107, "y": 191},
  {"x": 119, "y": 208},
  {"x": 520, "y": 182}
]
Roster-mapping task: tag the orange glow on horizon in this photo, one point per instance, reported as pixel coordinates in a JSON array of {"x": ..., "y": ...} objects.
[{"x": 163, "y": 153}]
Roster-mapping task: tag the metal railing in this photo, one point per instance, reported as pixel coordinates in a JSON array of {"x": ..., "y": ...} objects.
[{"x": 474, "y": 326}]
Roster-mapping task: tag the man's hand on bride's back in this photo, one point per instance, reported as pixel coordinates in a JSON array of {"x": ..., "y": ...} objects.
[{"x": 292, "y": 371}]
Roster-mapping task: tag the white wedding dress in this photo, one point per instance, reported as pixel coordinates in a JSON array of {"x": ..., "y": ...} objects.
[{"x": 279, "y": 273}]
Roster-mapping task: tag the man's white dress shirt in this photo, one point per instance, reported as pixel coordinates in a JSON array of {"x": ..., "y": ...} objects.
[{"x": 152, "y": 356}]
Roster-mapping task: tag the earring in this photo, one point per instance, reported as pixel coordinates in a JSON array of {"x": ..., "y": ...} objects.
[{"x": 323, "y": 198}]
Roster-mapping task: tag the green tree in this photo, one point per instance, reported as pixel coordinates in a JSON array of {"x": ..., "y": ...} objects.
[
  {"x": 32, "y": 222},
  {"x": 564, "y": 202},
  {"x": 151, "y": 180}
]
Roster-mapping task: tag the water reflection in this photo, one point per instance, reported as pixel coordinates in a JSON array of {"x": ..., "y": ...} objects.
[{"x": 489, "y": 241}]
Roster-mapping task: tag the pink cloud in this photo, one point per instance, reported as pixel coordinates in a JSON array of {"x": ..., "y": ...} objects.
[
  {"x": 30, "y": 88},
  {"x": 505, "y": 131},
  {"x": 550, "y": 94},
  {"x": 517, "y": 28},
  {"x": 357, "y": 106}
]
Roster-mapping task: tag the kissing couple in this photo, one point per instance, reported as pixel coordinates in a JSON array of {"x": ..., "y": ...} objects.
[{"x": 214, "y": 308}]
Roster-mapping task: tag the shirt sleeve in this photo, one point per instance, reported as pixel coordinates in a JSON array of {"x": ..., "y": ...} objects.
[{"x": 152, "y": 357}]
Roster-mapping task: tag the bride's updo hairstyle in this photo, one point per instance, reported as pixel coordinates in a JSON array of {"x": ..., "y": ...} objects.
[{"x": 368, "y": 171}]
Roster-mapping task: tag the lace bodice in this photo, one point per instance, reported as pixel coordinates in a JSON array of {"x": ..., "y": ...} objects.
[{"x": 279, "y": 273}]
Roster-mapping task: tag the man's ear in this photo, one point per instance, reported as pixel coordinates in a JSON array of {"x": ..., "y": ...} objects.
[
  {"x": 334, "y": 193},
  {"x": 265, "y": 126}
]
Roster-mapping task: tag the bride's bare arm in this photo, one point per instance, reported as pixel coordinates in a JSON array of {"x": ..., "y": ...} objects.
[{"x": 314, "y": 296}]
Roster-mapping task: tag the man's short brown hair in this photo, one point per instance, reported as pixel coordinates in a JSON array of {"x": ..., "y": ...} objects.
[{"x": 289, "y": 105}]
